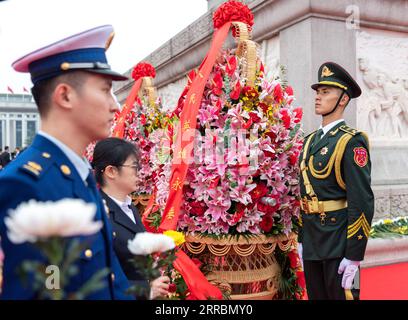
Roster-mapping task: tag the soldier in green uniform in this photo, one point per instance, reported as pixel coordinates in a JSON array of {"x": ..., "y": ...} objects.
[{"x": 337, "y": 203}]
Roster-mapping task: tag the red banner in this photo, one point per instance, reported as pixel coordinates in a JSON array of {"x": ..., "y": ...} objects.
[
  {"x": 119, "y": 130},
  {"x": 186, "y": 130}
]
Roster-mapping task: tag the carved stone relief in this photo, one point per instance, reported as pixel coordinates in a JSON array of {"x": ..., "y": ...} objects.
[
  {"x": 170, "y": 93},
  {"x": 270, "y": 55},
  {"x": 382, "y": 70}
]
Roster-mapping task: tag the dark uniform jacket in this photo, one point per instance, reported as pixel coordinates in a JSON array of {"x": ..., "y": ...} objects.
[
  {"x": 338, "y": 167},
  {"x": 44, "y": 173},
  {"x": 125, "y": 229}
]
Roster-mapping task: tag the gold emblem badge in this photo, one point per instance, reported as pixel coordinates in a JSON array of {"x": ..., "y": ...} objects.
[
  {"x": 33, "y": 167},
  {"x": 65, "y": 170},
  {"x": 324, "y": 151},
  {"x": 326, "y": 72},
  {"x": 65, "y": 66}
]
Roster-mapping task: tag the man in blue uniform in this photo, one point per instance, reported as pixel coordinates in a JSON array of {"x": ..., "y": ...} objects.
[{"x": 72, "y": 89}]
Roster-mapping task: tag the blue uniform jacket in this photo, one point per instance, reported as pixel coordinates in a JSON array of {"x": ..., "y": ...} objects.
[{"x": 44, "y": 173}]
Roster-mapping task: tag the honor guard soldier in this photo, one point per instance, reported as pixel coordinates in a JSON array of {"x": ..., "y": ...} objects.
[
  {"x": 337, "y": 204},
  {"x": 72, "y": 89}
]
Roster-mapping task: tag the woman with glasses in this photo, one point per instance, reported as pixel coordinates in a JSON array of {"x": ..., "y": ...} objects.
[{"x": 115, "y": 162}]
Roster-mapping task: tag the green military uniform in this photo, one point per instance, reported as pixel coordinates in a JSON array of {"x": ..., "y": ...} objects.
[{"x": 337, "y": 201}]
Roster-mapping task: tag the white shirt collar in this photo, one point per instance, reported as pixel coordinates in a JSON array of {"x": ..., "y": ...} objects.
[
  {"x": 329, "y": 126},
  {"x": 124, "y": 205},
  {"x": 82, "y": 165}
]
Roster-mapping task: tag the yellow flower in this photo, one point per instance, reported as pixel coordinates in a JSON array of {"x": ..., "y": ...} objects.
[
  {"x": 387, "y": 221},
  {"x": 177, "y": 237}
]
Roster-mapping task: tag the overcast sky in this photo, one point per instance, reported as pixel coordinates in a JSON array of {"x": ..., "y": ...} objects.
[{"x": 141, "y": 26}]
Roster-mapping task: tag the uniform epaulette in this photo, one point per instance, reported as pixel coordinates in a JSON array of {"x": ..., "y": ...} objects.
[
  {"x": 37, "y": 165},
  {"x": 310, "y": 134},
  {"x": 349, "y": 130}
]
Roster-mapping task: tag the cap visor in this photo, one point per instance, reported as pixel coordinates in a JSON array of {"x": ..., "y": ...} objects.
[
  {"x": 110, "y": 74},
  {"x": 315, "y": 86}
]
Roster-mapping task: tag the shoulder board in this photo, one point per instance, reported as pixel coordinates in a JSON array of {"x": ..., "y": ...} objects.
[
  {"x": 349, "y": 130},
  {"x": 37, "y": 165},
  {"x": 310, "y": 134}
]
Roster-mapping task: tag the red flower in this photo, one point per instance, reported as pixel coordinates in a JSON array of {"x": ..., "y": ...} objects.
[
  {"x": 294, "y": 259},
  {"x": 262, "y": 68},
  {"x": 250, "y": 92},
  {"x": 263, "y": 207},
  {"x": 232, "y": 11},
  {"x": 143, "y": 119},
  {"x": 264, "y": 107},
  {"x": 231, "y": 65},
  {"x": 172, "y": 288},
  {"x": 278, "y": 93},
  {"x": 214, "y": 183},
  {"x": 298, "y": 114},
  {"x": 247, "y": 124},
  {"x": 285, "y": 118},
  {"x": 254, "y": 117},
  {"x": 260, "y": 191},
  {"x": 266, "y": 223},
  {"x": 143, "y": 69},
  {"x": 197, "y": 208},
  {"x": 289, "y": 90},
  {"x": 293, "y": 158},
  {"x": 234, "y": 94},
  {"x": 239, "y": 213},
  {"x": 217, "y": 84}
]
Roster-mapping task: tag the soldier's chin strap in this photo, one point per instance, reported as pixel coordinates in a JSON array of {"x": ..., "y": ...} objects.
[{"x": 337, "y": 104}]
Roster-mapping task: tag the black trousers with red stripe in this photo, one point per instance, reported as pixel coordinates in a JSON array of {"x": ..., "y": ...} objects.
[{"x": 323, "y": 282}]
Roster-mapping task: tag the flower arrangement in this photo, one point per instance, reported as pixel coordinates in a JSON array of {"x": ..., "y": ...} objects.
[
  {"x": 390, "y": 228},
  {"x": 50, "y": 227},
  {"x": 145, "y": 124},
  {"x": 242, "y": 179},
  {"x": 245, "y": 175}
]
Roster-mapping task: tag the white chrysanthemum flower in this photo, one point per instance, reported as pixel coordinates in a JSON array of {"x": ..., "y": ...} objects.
[
  {"x": 145, "y": 243},
  {"x": 34, "y": 220}
]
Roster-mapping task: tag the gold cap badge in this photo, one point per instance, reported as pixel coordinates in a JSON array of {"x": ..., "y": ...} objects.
[{"x": 326, "y": 72}]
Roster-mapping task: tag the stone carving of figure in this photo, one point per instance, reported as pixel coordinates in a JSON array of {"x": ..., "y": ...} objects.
[
  {"x": 372, "y": 97},
  {"x": 392, "y": 103}
]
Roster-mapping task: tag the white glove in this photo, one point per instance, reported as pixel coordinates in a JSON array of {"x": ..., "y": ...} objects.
[
  {"x": 300, "y": 253},
  {"x": 350, "y": 269}
]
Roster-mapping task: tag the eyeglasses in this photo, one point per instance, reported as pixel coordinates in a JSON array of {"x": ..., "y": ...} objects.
[{"x": 133, "y": 166}]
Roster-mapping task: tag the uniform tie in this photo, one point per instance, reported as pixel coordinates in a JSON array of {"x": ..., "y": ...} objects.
[{"x": 318, "y": 136}]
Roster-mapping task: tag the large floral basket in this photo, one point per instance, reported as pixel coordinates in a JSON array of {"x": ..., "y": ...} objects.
[{"x": 245, "y": 268}]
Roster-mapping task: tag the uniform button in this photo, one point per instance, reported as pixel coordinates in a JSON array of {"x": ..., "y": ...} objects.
[
  {"x": 88, "y": 253},
  {"x": 112, "y": 276},
  {"x": 114, "y": 234},
  {"x": 333, "y": 219}
]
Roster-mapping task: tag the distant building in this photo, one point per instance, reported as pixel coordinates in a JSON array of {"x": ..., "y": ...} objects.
[{"x": 19, "y": 120}]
